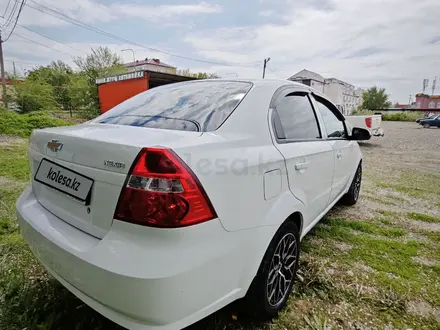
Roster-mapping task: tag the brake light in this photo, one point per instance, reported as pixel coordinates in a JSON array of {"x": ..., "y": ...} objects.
[
  {"x": 162, "y": 191},
  {"x": 368, "y": 121}
]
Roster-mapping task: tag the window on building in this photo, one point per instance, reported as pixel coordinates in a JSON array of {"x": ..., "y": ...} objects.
[
  {"x": 438, "y": 105},
  {"x": 418, "y": 105},
  {"x": 296, "y": 118},
  {"x": 431, "y": 104}
]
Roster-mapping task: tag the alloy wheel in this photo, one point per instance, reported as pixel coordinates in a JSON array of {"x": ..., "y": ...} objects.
[
  {"x": 281, "y": 270},
  {"x": 357, "y": 183}
]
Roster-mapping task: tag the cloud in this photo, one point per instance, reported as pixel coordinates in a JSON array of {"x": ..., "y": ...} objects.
[
  {"x": 90, "y": 11},
  {"x": 389, "y": 43},
  {"x": 266, "y": 13},
  {"x": 158, "y": 13},
  {"x": 435, "y": 40},
  {"x": 364, "y": 52},
  {"x": 42, "y": 51},
  {"x": 346, "y": 39}
]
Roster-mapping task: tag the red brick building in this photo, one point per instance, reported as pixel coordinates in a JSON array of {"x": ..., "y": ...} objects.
[{"x": 424, "y": 101}]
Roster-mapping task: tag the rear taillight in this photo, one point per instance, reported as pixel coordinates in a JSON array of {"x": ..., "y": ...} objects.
[
  {"x": 162, "y": 191},
  {"x": 368, "y": 121}
]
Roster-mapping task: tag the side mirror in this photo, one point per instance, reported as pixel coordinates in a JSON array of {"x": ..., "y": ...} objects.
[{"x": 360, "y": 134}]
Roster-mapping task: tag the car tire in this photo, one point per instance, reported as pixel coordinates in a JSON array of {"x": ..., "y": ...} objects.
[
  {"x": 426, "y": 125},
  {"x": 352, "y": 196},
  {"x": 277, "y": 270}
]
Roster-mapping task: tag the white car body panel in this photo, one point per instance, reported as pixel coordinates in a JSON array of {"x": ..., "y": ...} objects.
[
  {"x": 153, "y": 278},
  {"x": 360, "y": 121}
]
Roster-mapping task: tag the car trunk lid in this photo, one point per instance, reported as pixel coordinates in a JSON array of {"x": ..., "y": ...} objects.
[{"x": 78, "y": 171}]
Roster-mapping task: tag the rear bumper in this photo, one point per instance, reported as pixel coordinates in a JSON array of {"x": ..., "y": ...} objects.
[
  {"x": 377, "y": 132},
  {"x": 142, "y": 278}
]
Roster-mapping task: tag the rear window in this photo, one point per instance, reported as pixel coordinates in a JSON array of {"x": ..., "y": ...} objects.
[{"x": 190, "y": 106}]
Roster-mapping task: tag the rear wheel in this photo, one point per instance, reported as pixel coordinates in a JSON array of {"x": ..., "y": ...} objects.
[
  {"x": 352, "y": 196},
  {"x": 271, "y": 287},
  {"x": 426, "y": 125}
]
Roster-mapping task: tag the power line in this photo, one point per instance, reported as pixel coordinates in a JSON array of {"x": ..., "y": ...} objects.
[
  {"x": 38, "y": 43},
  {"x": 23, "y": 62},
  {"x": 44, "y": 36},
  {"x": 11, "y": 14},
  {"x": 64, "y": 17},
  {"x": 7, "y": 7},
  {"x": 23, "y": 2},
  {"x": 274, "y": 72}
]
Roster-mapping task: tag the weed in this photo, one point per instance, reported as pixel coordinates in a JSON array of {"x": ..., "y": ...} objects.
[
  {"x": 317, "y": 323},
  {"x": 379, "y": 200},
  {"x": 387, "y": 213},
  {"x": 388, "y": 299}
]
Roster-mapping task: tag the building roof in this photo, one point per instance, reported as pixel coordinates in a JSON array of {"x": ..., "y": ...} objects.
[
  {"x": 306, "y": 74},
  {"x": 428, "y": 96},
  {"x": 152, "y": 61},
  {"x": 141, "y": 74}
]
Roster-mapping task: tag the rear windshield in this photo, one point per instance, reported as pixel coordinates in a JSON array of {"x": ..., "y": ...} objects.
[{"x": 190, "y": 106}]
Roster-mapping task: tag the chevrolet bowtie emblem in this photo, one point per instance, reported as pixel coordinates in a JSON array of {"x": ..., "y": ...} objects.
[{"x": 54, "y": 145}]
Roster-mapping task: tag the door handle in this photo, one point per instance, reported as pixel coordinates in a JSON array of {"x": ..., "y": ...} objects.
[
  {"x": 339, "y": 155},
  {"x": 301, "y": 166}
]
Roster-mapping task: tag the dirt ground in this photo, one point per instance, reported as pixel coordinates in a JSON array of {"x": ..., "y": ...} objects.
[{"x": 372, "y": 266}]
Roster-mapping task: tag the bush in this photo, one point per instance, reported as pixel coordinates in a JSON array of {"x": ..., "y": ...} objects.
[
  {"x": 402, "y": 116},
  {"x": 396, "y": 116},
  {"x": 12, "y": 123}
]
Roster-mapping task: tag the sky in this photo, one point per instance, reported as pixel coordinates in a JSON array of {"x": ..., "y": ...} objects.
[{"x": 393, "y": 44}]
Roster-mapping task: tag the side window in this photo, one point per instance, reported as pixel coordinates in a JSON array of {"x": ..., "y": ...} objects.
[
  {"x": 297, "y": 118},
  {"x": 334, "y": 127}
]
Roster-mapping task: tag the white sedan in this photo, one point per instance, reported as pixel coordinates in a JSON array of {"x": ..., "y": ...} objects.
[{"x": 187, "y": 197}]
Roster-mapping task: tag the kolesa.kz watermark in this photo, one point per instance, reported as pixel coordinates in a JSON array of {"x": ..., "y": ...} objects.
[{"x": 62, "y": 179}]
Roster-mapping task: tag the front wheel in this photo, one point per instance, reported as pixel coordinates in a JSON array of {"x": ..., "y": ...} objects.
[
  {"x": 352, "y": 196},
  {"x": 271, "y": 287},
  {"x": 426, "y": 126}
]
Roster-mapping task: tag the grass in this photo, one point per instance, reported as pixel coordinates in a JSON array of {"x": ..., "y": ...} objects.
[
  {"x": 423, "y": 217},
  {"x": 355, "y": 272},
  {"x": 369, "y": 228},
  {"x": 14, "y": 162}
]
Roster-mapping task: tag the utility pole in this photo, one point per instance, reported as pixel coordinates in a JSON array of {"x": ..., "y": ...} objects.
[
  {"x": 409, "y": 101},
  {"x": 266, "y": 60},
  {"x": 2, "y": 65},
  {"x": 15, "y": 71}
]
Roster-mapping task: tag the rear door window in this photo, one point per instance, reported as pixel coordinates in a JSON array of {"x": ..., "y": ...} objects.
[
  {"x": 190, "y": 106},
  {"x": 297, "y": 119}
]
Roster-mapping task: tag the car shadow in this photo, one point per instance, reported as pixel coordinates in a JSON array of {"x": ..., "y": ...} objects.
[{"x": 364, "y": 144}]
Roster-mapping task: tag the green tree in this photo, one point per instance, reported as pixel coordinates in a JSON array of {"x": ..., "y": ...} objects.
[
  {"x": 32, "y": 95},
  {"x": 375, "y": 99},
  {"x": 100, "y": 62},
  {"x": 198, "y": 75},
  {"x": 58, "y": 75}
]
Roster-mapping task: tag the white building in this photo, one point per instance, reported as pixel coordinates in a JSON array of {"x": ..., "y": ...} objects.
[
  {"x": 309, "y": 78},
  {"x": 343, "y": 94}
]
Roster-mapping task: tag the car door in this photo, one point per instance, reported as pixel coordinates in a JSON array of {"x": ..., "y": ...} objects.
[
  {"x": 309, "y": 158},
  {"x": 344, "y": 149}
]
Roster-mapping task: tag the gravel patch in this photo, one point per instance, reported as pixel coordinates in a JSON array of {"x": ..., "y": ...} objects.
[
  {"x": 426, "y": 262},
  {"x": 422, "y": 308},
  {"x": 7, "y": 140}
]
